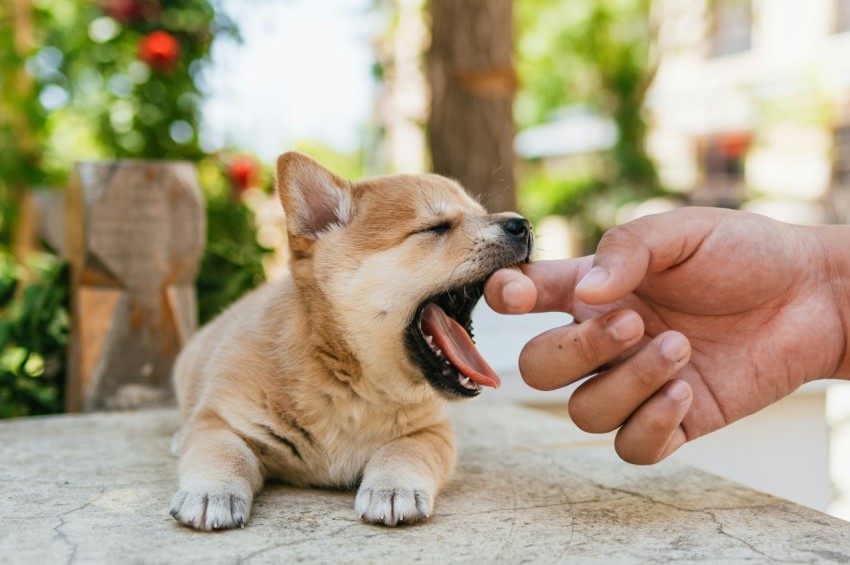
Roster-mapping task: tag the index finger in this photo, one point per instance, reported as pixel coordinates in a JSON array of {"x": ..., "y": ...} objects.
[{"x": 542, "y": 286}]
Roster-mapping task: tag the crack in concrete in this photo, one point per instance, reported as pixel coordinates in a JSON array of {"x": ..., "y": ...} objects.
[
  {"x": 503, "y": 510},
  {"x": 710, "y": 512},
  {"x": 62, "y": 523},
  {"x": 542, "y": 490},
  {"x": 64, "y": 537},
  {"x": 326, "y": 537},
  {"x": 722, "y": 531},
  {"x": 513, "y": 518},
  {"x": 83, "y": 507},
  {"x": 569, "y": 544}
]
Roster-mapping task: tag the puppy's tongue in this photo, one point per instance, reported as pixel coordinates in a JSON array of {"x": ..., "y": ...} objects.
[{"x": 456, "y": 345}]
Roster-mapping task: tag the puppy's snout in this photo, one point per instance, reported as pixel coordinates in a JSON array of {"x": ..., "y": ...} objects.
[{"x": 520, "y": 228}]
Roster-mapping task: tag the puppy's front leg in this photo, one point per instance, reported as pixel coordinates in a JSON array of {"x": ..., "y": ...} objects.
[
  {"x": 219, "y": 474},
  {"x": 402, "y": 478}
]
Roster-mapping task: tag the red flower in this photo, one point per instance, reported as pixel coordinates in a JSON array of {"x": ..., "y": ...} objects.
[
  {"x": 243, "y": 172},
  {"x": 160, "y": 51}
]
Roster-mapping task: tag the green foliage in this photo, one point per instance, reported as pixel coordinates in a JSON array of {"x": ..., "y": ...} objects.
[
  {"x": 597, "y": 54},
  {"x": 547, "y": 193},
  {"x": 232, "y": 262},
  {"x": 88, "y": 83},
  {"x": 554, "y": 71},
  {"x": 79, "y": 87},
  {"x": 33, "y": 337},
  {"x": 128, "y": 107}
]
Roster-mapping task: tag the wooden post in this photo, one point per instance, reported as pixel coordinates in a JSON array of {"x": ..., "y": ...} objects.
[{"x": 135, "y": 232}]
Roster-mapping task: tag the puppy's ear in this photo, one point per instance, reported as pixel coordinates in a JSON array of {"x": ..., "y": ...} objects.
[{"x": 315, "y": 200}]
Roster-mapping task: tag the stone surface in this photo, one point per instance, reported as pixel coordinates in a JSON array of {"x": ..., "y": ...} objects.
[
  {"x": 135, "y": 233},
  {"x": 528, "y": 488}
]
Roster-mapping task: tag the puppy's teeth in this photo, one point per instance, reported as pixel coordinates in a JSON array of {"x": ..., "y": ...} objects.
[
  {"x": 429, "y": 339},
  {"x": 469, "y": 384}
]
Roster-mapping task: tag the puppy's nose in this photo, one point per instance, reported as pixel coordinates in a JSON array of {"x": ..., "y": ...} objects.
[{"x": 520, "y": 228}]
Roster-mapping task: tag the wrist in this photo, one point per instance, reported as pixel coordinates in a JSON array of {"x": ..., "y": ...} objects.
[{"x": 835, "y": 242}]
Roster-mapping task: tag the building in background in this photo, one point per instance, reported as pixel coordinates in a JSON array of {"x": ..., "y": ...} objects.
[{"x": 750, "y": 106}]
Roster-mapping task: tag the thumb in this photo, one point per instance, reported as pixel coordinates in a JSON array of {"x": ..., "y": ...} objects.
[{"x": 626, "y": 254}]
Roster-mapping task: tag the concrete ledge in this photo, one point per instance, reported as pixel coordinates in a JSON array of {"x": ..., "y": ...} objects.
[{"x": 528, "y": 488}]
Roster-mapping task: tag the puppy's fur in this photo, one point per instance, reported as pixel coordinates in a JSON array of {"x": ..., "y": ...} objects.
[{"x": 327, "y": 378}]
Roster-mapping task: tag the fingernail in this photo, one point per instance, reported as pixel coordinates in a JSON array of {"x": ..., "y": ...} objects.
[
  {"x": 594, "y": 278},
  {"x": 674, "y": 347},
  {"x": 625, "y": 326},
  {"x": 512, "y": 295},
  {"x": 678, "y": 391}
]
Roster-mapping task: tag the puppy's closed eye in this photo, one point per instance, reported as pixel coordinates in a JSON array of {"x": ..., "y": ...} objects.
[{"x": 440, "y": 229}]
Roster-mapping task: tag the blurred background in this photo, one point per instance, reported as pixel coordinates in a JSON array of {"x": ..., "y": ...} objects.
[{"x": 580, "y": 114}]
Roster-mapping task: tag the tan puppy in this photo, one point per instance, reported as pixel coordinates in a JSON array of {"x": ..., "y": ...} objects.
[{"x": 339, "y": 374}]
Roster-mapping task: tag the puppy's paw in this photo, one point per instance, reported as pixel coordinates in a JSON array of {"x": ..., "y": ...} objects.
[
  {"x": 382, "y": 502},
  {"x": 205, "y": 510}
]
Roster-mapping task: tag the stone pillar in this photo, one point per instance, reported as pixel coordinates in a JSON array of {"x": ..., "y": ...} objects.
[{"x": 135, "y": 232}]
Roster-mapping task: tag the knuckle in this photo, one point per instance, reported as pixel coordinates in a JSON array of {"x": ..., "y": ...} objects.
[
  {"x": 618, "y": 237},
  {"x": 624, "y": 244},
  {"x": 650, "y": 368},
  {"x": 657, "y": 424},
  {"x": 644, "y": 374},
  {"x": 591, "y": 347}
]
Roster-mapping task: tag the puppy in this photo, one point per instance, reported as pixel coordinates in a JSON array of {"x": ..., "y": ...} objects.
[{"x": 339, "y": 374}]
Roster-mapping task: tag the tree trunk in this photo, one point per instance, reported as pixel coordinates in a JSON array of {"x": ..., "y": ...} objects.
[
  {"x": 20, "y": 87},
  {"x": 472, "y": 79}
]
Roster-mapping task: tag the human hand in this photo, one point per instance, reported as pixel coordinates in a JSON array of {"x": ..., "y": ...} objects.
[{"x": 690, "y": 319}]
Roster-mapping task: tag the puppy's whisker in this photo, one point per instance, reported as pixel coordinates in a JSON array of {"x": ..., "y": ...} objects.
[
  {"x": 468, "y": 236},
  {"x": 377, "y": 317}
]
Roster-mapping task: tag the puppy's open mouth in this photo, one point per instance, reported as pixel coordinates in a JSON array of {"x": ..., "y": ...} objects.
[{"x": 440, "y": 339}]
